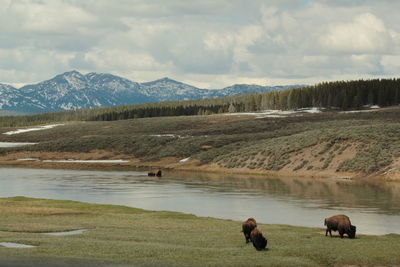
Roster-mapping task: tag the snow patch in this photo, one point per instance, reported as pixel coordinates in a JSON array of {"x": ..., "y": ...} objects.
[
  {"x": 67, "y": 106},
  {"x": 74, "y": 232},
  {"x": 357, "y": 111},
  {"x": 15, "y": 245},
  {"x": 29, "y": 159},
  {"x": 271, "y": 116},
  {"x": 76, "y": 160},
  {"x": 87, "y": 161},
  {"x": 184, "y": 160},
  {"x": 371, "y": 106},
  {"x": 273, "y": 113},
  {"x": 11, "y": 144},
  {"x": 310, "y": 110},
  {"x": 168, "y": 135},
  {"x": 163, "y": 135},
  {"x": 38, "y": 128}
]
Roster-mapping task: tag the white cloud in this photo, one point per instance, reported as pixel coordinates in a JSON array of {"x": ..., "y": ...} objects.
[
  {"x": 45, "y": 17},
  {"x": 120, "y": 60},
  {"x": 213, "y": 42},
  {"x": 365, "y": 34},
  {"x": 391, "y": 65}
]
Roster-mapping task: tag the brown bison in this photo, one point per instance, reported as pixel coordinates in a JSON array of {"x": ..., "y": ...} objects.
[
  {"x": 259, "y": 241},
  {"x": 340, "y": 223},
  {"x": 247, "y": 227},
  {"x": 154, "y": 173}
]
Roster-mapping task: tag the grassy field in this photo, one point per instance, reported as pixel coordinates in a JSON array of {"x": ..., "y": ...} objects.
[
  {"x": 119, "y": 236},
  {"x": 311, "y": 143}
]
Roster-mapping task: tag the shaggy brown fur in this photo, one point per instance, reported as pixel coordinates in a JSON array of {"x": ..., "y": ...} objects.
[
  {"x": 247, "y": 227},
  {"x": 259, "y": 241},
  {"x": 340, "y": 223}
]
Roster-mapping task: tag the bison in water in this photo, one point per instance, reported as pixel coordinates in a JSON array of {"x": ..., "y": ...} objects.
[
  {"x": 247, "y": 227},
  {"x": 259, "y": 241},
  {"x": 340, "y": 223},
  {"x": 155, "y": 173}
]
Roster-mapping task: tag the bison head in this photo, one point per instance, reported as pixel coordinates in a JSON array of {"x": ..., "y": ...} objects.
[{"x": 352, "y": 232}]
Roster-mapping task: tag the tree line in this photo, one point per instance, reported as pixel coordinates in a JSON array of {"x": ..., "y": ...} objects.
[{"x": 331, "y": 95}]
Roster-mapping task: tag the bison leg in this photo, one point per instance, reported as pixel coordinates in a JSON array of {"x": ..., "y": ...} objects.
[
  {"x": 341, "y": 233},
  {"x": 330, "y": 232},
  {"x": 247, "y": 237}
]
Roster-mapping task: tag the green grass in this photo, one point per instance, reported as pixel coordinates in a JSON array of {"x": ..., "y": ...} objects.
[{"x": 120, "y": 235}]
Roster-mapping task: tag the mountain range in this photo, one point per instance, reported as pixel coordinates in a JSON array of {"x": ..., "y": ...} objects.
[{"x": 74, "y": 90}]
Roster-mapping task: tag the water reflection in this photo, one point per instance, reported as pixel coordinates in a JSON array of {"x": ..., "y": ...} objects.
[
  {"x": 373, "y": 207},
  {"x": 372, "y": 196}
]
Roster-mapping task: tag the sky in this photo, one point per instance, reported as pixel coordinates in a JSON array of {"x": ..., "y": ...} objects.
[{"x": 206, "y": 43}]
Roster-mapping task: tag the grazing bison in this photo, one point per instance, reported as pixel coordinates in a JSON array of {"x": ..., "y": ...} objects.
[
  {"x": 154, "y": 173},
  {"x": 247, "y": 227},
  {"x": 259, "y": 241},
  {"x": 340, "y": 223}
]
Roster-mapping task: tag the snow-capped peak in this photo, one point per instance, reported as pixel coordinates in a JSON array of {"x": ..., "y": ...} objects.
[
  {"x": 75, "y": 79},
  {"x": 74, "y": 90}
]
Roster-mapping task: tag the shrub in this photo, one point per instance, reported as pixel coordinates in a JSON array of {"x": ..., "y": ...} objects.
[{"x": 301, "y": 165}]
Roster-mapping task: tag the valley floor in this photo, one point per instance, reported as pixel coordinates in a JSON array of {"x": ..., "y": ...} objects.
[{"x": 123, "y": 236}]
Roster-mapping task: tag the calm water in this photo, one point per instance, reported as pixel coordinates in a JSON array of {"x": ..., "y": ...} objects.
[{"x": 373, "y": 208}]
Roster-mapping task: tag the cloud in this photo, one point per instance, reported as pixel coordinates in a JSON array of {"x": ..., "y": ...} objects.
[
  {"x": 115, "y": 60},
  {"x": 366, "y": 34},
  {"x": 212, "y": 42}
]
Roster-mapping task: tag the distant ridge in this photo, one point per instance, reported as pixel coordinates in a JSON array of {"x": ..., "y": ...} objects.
[{"x": 74, "y": 90}]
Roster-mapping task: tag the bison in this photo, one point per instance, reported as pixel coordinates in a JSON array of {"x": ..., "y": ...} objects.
[
  {"x": 247, "y": 227},
  {"x": 259, "y": 241},
  {"x": 154, "y": 173},
  {"x": 340, "y": 223}
]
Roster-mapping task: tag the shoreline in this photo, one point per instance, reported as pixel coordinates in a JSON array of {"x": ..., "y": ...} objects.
[
  {"x": 169, "y": 165},
  {"x": 255, "y": 195},
  {"x": 174, "y": 165},
  {"x": 66, "y": 231}
]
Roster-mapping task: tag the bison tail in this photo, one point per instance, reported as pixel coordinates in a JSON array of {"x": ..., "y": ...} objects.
[{"x": 325, "y": 222}]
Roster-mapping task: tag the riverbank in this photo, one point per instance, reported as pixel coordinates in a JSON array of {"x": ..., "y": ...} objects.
[
  {"x": 98, "y": 161},
  {"x": 105, "y": 161},
  {"x": 326, "y": 144},
  {"x": 118, "y": 236}
]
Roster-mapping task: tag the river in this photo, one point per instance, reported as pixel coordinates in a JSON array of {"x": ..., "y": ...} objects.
[{"x": 373, "y": 207}]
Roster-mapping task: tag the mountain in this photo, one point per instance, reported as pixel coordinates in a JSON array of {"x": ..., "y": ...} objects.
[
  {"x": 11, "y": 98},
  {"x": 251, "y": 88},
  {"x": 167, "y": 90},
  {"x": 73, "y": 90}
]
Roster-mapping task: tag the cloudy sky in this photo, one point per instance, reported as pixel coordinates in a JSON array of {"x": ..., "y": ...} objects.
[{"x": 207, "y": 43}]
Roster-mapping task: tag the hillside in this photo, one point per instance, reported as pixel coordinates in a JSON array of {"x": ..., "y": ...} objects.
[{"x": 324, "y": 144}]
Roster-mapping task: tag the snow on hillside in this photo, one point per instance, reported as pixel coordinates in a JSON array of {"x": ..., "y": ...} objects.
[
  {"x": 278, "y": 113},
  {"x": 38, "y": 128}
]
